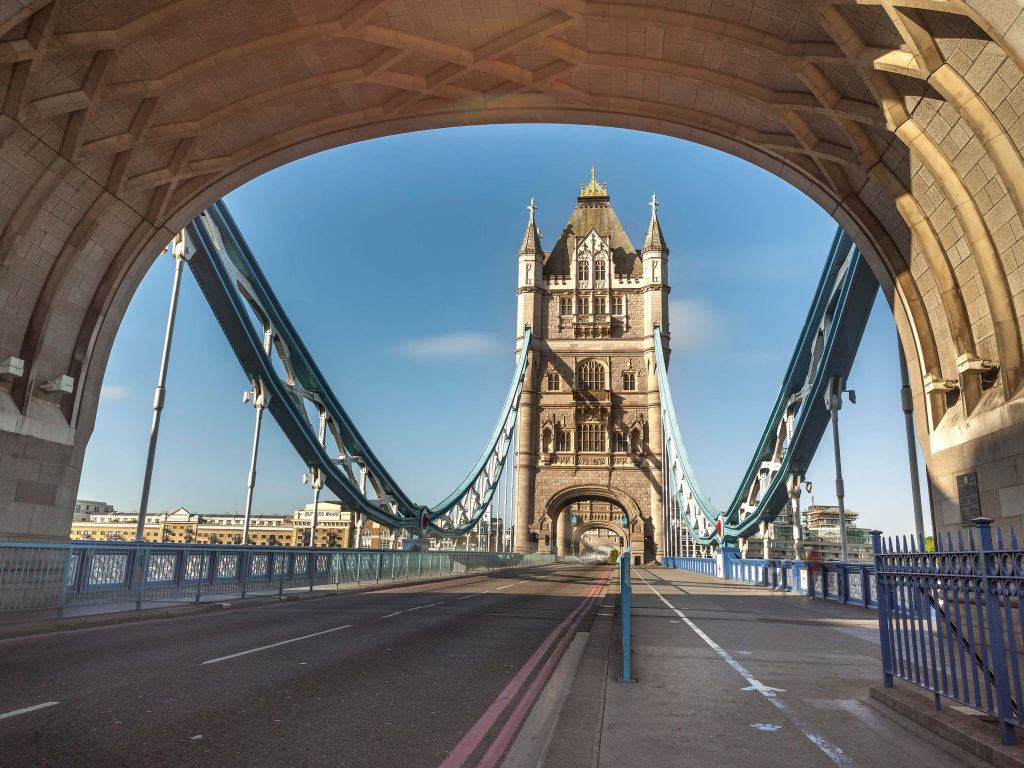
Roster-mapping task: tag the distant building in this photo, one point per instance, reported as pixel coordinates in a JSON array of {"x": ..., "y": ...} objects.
[
  {"x": 98, "y": 521},
  {"x": 820, "y": 535},
  {"x": 85, "y": 508}
]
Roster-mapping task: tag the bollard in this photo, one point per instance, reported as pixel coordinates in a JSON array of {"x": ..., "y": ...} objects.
[{"x": 626, "y": 602}]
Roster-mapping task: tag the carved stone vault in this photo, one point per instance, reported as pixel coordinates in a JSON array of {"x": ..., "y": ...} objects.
[{"x": 120, "y": 120}]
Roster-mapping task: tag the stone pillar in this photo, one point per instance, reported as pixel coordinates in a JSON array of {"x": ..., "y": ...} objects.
[{"x": 38, "y": 485}]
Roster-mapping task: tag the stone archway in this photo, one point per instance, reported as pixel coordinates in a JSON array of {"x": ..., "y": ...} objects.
[
  {"x": 580, "y": 530},
  {"x": 118, "y": 122},
  {"x": 613, "y": 504}
]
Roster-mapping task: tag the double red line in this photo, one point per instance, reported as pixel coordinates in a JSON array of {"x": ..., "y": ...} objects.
[{"x": 560, "y": 638}]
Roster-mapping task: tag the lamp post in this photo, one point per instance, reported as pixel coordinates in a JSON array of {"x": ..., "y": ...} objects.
[
  {"x": 907, "y": 401},
  {"x": 260, "y": 399},
  {"x": 833, "y": 402},
  {"x": 317, "y": 482},
  {"x": 181, "y": 254}
]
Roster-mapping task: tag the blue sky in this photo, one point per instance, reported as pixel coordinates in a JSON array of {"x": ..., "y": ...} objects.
[{"x": 396, "y": 260}]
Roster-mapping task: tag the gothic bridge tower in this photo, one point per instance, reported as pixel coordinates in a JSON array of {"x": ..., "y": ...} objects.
[{"x": 590, "y": 436}]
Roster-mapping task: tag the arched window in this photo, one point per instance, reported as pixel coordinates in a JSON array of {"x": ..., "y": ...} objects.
[
  {"x": 564, "y": 440},
  {"x": 565, "y": 305},
  {"x": 591, "y": 375},
  {"x": 553, "y": 381},
  {"x": 629, "y": 381},
  {"x": 620, "y": 443},
  {"x": 618, "y": 306},
  {"x": 599, "y": 270},
  {"x": 583, "y": 270},
  {"x": 583, "y": 305},
  {"x": 591, "y": 437},
  {"x": 600, "y": 305}
]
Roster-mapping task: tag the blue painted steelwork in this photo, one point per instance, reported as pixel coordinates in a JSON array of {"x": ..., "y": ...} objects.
[
  {"x": 949, "y": 620},
  {"x": 826, "y": 348},
  {"x": 235, "y": 286},
  {"x": 625, "y": 609},
  {"x": 40, "y": 576}
]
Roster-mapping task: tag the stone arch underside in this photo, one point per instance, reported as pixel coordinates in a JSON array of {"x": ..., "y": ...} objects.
[{"x": 119, "y": 121}]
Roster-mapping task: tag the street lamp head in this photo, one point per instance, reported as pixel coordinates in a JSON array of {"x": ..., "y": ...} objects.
[
  {"x": 245, "y": 396},
  {"x": 852, "y": 393},
  {"x": 809, "y": 486}
]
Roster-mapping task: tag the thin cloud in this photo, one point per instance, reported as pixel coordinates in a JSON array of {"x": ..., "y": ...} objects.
[
  {"x": 448, "y": 346},
  {"x": 115, "y": 393},
  {"x": 694, "y": 324}
]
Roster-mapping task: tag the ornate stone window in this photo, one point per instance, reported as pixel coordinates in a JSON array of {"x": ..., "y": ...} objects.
[
  {"x": 583, "y": 270},
  {"x": 554, "y": 382},
  {"x": 600, "y": 305},
  {"x": 583, "y": 305},
  {"x": 565, "y": 305},
  {"x": 591, "y": 437},
  {"x": 564, "y": 444},
  {"x": 629, "y": 381},
  {"x": 591, "y": 375},
  {"x": 599, "y": 270},
  {"x": 618, "y": 305},
  {"x": 620, "y": 443}
]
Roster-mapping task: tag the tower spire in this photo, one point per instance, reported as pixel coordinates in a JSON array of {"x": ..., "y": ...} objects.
[
  {"x": 654, "y": 241},
  {"x": 531, "y": 238}
]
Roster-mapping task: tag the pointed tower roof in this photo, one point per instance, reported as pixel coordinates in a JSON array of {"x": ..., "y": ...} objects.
[
  {"x": 594, "y": 211},
  {"x": 531, "y": 238},
  {"x": 654, "y": 241}
]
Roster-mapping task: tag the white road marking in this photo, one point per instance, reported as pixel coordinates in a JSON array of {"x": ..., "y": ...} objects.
[
  {"x": 507, "y": 586},
  {"x": 407, "y": 610},
  {"x": 475, "y": 594},
  {"x": 769, "y": 727},
  {"x": 833, "y": 752},
  {"x": 26, "y": 710},
  {"x": 275, "y": 645}
]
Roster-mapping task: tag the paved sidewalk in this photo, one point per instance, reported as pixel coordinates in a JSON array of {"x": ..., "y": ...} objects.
[{"x": 744, "y": 676}]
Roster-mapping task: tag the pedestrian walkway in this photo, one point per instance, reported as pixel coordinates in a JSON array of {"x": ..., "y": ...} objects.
[{"x": 729, "y": 675}]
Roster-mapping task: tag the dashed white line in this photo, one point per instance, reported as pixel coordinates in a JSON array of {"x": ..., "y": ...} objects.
[
  {"x": 475, "y": 594},
  {"x": 26, "y": 710},
  {"x": 408, "y": 610},
  {"x": 275, "y": 645},
  {"x": 833, "y": 752},
  {"x": 507, "y": 586}
]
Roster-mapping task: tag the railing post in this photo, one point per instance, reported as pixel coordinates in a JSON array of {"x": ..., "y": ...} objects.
[
  {"x": 997, "y": 644},
  {"x": 882, "y": 600},
  {"x": 62, "y": 594},
  {"x": 280, "y": 578},
  {"x": 380, "y": 565},
  {"x": 199, "y": 572},
  {"x": 246, "y": 566},
  {"x": 143, "y": 562}
]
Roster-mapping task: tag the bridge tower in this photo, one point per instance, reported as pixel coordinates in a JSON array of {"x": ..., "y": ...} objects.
[{"x": 590, "y": 436}]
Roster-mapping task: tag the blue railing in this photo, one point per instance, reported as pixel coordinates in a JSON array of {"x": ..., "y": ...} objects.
[
  {"x": 850, "y": 583},
  {"x": 41, "y": 576},
  {"x": 949, "y": 621}
]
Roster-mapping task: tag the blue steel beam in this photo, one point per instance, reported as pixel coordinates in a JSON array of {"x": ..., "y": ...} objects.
[
  {"x": 234, "y": 285},
  {"x": 827, "y": 346}
]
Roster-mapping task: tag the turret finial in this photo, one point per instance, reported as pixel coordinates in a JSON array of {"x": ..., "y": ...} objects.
[
  {"x": 654, "y": 203},
  {"x": 594, "y": 188}
]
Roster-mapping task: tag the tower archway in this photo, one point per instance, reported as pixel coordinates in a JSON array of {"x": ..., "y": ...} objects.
[{"x": 900, "y": 120}]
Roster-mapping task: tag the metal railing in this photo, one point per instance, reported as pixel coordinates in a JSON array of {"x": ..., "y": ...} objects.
[
  {"x": 950, "y": 621},
  {"x": 40, "y": 576},
  {"x": 852, "y": 583}
]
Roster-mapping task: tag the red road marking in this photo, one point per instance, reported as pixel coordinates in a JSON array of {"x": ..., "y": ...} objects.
[{"x": 471, "y": 741}]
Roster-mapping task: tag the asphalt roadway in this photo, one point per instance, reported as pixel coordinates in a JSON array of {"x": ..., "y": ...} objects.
[{"x": 436, "y": 674}]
